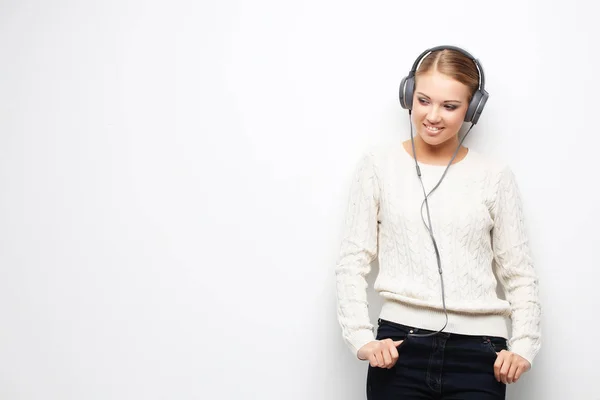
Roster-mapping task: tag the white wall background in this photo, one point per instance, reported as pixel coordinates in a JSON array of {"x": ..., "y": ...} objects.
[{"x": 173, "y": 179}]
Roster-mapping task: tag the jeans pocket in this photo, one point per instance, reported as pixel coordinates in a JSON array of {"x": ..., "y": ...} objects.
[
  {"x": 394, "y": 331},
  {"x": 495, "y": 344}
]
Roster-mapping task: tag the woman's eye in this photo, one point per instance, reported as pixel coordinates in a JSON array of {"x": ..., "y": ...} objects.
[
  {"x": 450, "y": 107},
  {"x": 423, "y": 101}
]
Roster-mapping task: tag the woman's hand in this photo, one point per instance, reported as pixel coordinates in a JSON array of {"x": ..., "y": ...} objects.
[
  {"x": 380, "y": 353},
  {"x": 509, "y": 367}
]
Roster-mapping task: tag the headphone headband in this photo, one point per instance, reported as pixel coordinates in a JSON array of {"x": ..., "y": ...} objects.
[{"x": 424, "y": 54}]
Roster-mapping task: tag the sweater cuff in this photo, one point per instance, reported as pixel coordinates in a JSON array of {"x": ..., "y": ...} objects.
[
  {"x": 526, "y": 348},
  {"x": 359, "y": 338}
]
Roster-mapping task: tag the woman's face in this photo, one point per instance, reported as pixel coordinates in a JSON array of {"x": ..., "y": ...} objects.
[{"x": 439, "y": 107}]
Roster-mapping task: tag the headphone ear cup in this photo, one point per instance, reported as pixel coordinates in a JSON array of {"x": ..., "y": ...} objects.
[
  {"x": 476, "y": 106},
  {"x": 407, "y": 86}
]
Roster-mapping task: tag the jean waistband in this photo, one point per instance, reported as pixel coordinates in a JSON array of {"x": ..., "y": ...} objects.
[{"x": 417, "y": 330}]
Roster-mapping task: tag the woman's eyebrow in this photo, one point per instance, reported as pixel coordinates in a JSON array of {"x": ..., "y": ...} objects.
[{"x": 446, "y": 101}]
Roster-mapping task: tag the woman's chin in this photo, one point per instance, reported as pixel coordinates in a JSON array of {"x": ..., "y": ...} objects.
[{"x": 434, "y": 140}]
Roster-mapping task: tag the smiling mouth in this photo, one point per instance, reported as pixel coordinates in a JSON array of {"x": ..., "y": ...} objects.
[{"x": 433, "y": 129}]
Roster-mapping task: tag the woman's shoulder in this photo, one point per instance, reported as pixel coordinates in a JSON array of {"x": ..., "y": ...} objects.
[
  {"x": 387, "y": 160},
  {"x": 488, "y": 163},
  {"x": 494, "y": 171},
  {"x": 381, "y": 154}
]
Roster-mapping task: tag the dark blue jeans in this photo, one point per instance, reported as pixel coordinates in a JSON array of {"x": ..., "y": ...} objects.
[{"x": 446, "y": 366}]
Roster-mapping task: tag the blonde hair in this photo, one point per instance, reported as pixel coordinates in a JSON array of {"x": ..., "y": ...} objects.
[{"x": 454, "y": 64}]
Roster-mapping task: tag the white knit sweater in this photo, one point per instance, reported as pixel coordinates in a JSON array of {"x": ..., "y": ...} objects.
[{"x": 478, "y": 224}]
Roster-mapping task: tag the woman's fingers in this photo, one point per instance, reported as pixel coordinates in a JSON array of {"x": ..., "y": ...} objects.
[{"x": 381, "y": 353}]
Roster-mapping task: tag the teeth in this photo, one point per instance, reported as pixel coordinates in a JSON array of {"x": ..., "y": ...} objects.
[{"x": 431, "y": 128}]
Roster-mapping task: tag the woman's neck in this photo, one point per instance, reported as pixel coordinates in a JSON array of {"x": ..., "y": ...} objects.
[{"x": 441, "y": 154}]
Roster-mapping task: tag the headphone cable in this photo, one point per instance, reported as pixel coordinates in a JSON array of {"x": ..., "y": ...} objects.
[{"x": 429, "y": 227}]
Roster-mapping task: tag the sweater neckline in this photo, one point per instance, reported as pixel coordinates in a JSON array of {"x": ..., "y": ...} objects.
[{"x": 435, "y": 166}]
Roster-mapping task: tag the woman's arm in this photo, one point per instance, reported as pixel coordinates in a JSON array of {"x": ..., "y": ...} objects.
[
  {"x": 358, "y": 249},
  {"x": 514, "y": 267}
]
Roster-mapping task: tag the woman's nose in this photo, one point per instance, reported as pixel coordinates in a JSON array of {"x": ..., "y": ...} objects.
[{"x": 433, "y": 115}]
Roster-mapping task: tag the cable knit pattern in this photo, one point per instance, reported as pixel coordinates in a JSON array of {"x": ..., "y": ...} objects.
[{"x": 478, "y": 223}]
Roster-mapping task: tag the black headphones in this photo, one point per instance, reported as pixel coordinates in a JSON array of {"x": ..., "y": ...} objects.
[{"x": 407, "y": 86}]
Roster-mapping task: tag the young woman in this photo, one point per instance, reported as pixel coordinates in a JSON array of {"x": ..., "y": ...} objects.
[{"x": 447, "y": 226}]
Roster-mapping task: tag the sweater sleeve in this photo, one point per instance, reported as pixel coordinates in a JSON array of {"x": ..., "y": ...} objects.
[
  {"x": 358, "y": 249},
  {"x": 514, "y": 267}
]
